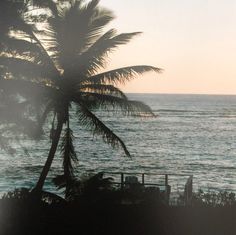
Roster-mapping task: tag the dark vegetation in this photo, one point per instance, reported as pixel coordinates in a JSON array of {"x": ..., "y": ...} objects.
[
  {"x": 28, "y": 218},
  {"x": 92, "y": 210},
  {"x": 95, "y": 190},
  {"x": 214, "y": 199}
]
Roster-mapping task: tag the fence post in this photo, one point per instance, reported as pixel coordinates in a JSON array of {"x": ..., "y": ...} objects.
[
  {"x": 122, "y": 181},
  {"x": 166, "y": 179},
  {"x": 143, "y": 179}
]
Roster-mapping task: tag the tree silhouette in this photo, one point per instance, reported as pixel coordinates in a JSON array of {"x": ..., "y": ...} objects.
[
  {"x": 63, "y": 64},
  {"x": 15, "y": 115}
]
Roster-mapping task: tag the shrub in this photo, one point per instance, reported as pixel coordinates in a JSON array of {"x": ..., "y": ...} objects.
[
  {"x": 213, "y": 198},
  {"x": 18, "y": 193}
]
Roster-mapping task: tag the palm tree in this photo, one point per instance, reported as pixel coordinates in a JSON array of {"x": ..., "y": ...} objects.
[
  {"x": 14, "y": 113},
  {"x": 61, "y": 67}
]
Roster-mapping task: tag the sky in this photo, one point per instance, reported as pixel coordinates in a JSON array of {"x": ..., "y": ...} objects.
[{"x": 193, "y": 41}]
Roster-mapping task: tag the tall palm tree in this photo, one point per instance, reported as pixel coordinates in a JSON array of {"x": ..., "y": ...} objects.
[{"x": 62, "y": 67}]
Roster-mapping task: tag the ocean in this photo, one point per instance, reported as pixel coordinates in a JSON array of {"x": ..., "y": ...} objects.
[{"x": 192, "y": 134}]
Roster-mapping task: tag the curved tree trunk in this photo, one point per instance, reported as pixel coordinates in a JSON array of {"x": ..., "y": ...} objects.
[{"x": 39, "y": 186}]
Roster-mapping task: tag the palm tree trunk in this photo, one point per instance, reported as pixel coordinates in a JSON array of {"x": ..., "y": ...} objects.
[{"x": 39, "y": 186}]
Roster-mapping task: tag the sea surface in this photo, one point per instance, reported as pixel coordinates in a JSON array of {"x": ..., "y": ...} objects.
[{"x": 192, "y": 135}]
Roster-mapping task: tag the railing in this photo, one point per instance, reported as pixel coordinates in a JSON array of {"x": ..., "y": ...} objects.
[
  {"x": 122, "y": 174},
  {"x": 187, "y": 193}
]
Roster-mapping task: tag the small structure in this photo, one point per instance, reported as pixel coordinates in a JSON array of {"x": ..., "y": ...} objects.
[
  {"x": 188, "y": 191},
  {"x": 131, "y": 180},
  {"x": 134, "y": 184}
]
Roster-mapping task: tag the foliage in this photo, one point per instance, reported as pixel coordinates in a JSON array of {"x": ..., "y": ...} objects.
[
  {"x": 63, "y": 65},
  {"x": 24, "y": 194},
  {"x": 18, "y": 193},
  {"x": 88, "y": 187},
  {"x": 213, "y": 199}
]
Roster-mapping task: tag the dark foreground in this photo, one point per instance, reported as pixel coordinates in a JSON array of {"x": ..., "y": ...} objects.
[{"x": 18, "y": 217}]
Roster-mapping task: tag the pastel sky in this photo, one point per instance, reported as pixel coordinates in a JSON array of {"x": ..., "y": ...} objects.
[{"x": 194, "y": 41}]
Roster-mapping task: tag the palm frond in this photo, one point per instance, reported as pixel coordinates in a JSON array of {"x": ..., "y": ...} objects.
[
  {"x": 89, "y": 120},
  {"x": 93, "y": 59},
  {"x": 48, "y": 4},
  {"x": 76, "y": 30},
  {"x": 62, "y": 182},
  {"x": 13, "y": 25},
  {"x": 23, "y": 48},
  {"x": 91, "y": 19},
  {"x": 19, "y": 46},
  {"x": 102, "y": 89},
  {"x": 108, "y": 102},
  {"x": 27, "y": 31},
  {"x": 30, "y": 90},
  {"x": 100, "y": 19},
  {"x": 68, "y": 153},
  {"x": 26, "y": 69},
  {"x": 121, "y": 75}
]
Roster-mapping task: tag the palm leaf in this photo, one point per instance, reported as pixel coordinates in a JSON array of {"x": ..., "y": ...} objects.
[
  {"x": 30, "y": 90},
  {"x": 121, "y": 75},
  {"x": 68, "y": 153},
  {"x": 29, "y": 34},
  {"x": 49, "y": 4},
  {"x": 108, "y": 102},
  {"x": 92, "y": 60},
  {"x": 19, "y": 46},
  {"x": 102, "y": 89},
  {"x": 23, "y": 48},
  {"x": 89, "y": 120},
  {"x": 100, "y": 19},
  {"x": 74, "y": 39},
  {"x": 26, "y": 69}
]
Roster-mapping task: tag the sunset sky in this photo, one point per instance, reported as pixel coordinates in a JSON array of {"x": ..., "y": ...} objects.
[{"x": 193, "y": 41}]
